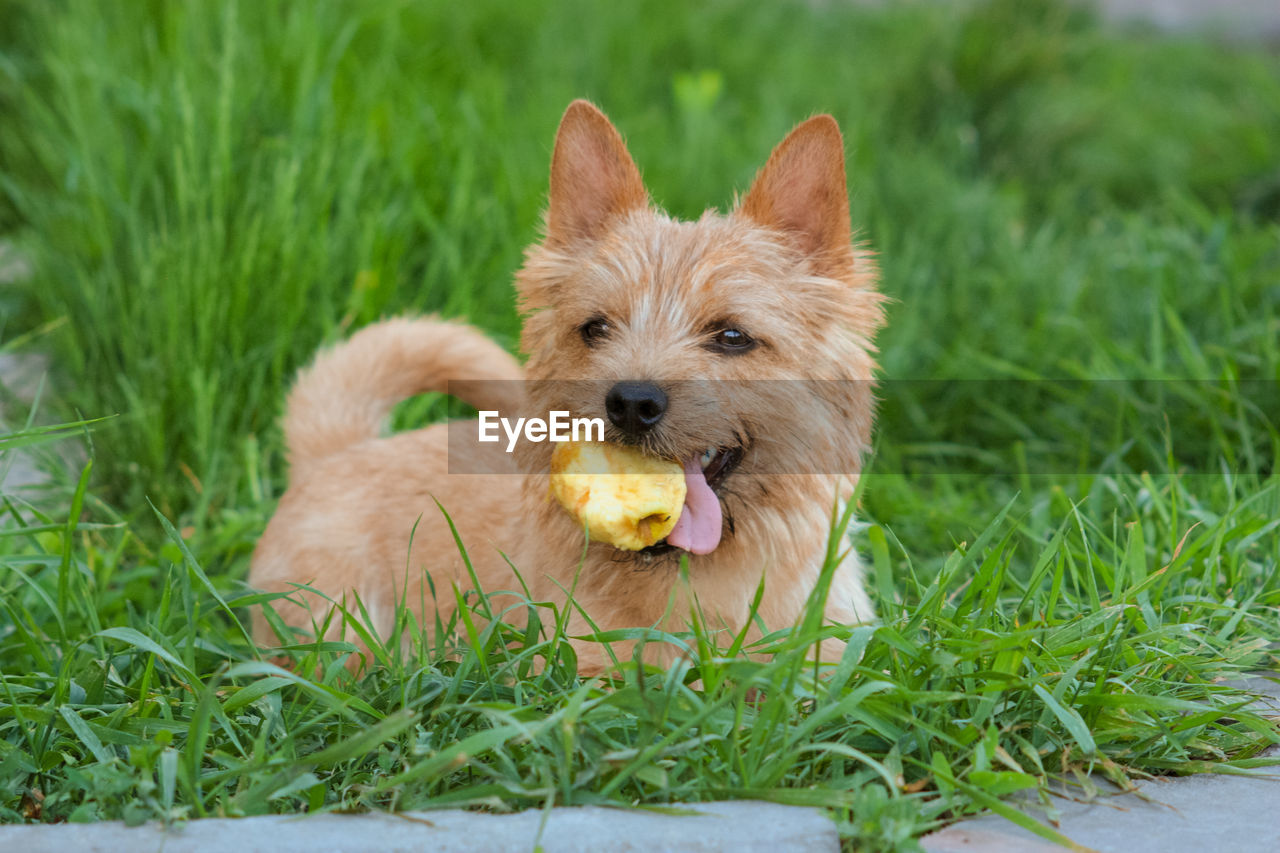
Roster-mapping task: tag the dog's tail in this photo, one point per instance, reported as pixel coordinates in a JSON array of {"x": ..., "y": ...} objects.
[{"x": 346, "y": 394}]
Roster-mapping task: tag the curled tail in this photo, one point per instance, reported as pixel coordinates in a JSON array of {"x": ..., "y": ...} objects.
[{"x": 346, "y": 394}]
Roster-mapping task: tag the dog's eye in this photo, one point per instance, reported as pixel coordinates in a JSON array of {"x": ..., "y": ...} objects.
[
  {"x": 594, "y": 330},
  {"x": 732, "y": 342}
]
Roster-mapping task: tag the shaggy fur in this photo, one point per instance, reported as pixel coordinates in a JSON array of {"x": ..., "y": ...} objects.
[{"x": 780, "y": 268}]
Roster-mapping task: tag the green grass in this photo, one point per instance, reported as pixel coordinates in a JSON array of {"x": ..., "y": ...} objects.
[{"x": 207, "y": 191}]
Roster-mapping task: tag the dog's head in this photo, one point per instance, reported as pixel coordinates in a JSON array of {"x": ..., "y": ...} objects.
[{"x": 700, "y": 341}]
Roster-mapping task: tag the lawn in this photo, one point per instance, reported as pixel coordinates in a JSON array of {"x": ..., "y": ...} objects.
[{"x": 1072, "y": 516}]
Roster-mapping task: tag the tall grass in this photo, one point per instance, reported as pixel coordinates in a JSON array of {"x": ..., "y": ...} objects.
[
  {"x": 210, "y": 189},
  {"x": 1087, "y": 630}
]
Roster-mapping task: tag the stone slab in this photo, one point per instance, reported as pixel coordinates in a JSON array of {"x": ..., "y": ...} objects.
[
  {"x": 1195, "y": 814},
  {"x": 707, "y": 828},
  {"x": 1240, "y": 19},
  {"x": 1188, "y": 814}
]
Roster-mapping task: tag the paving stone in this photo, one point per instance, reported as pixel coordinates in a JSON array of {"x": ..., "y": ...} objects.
[
  {"x": 1188, "y": 814},
  {"x": 726, "y": 826},
  {"x": 13, "y": 266},
  {"x": 20, "y": 377},
  {"x": 18, "y": 472},
  {"x": 969, "y": 837},
  {"x": 1237, "y": 19},
  {"x": 1207, "y": 812}
]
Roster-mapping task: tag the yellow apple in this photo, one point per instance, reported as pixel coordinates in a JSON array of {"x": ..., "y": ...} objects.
[{"x": 624, "y": 497}]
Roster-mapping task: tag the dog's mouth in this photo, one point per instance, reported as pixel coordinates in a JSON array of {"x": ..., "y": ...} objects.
[{"x": 701, "y": 522}]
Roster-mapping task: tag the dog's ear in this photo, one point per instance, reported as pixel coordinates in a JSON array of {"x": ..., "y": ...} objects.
[
  {"x": 593, "y": 178},
  {"x": 801, "y": 191}
]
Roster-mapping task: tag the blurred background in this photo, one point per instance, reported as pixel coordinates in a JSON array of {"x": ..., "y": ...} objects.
[{"x": 196, "y": 195}]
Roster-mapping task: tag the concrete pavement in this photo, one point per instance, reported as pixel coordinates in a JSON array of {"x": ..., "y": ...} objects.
[
  {"x": 1205, "y": 813},
  {"x": 728, "y": 827}
]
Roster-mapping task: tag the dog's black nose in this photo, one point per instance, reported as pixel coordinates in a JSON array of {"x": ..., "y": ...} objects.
[{"x": 635, "y": 407}]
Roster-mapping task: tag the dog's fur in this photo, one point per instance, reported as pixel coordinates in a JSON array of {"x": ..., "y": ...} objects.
[{"x": 780, "y": 267}]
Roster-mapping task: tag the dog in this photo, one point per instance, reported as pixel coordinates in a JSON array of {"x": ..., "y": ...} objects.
[{"x": 641, "y": 307}]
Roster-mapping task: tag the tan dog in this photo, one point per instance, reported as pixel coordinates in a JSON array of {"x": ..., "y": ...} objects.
[{"x": 622, "y": 294}]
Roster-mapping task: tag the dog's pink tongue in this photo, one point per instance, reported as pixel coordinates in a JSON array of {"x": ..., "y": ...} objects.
[{"x": 698, "y": 528}]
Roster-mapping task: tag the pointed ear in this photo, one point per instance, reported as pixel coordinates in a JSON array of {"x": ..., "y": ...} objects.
[
  {"x": 801, "y": 191},
  {"x": 593, "y": 178}
]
